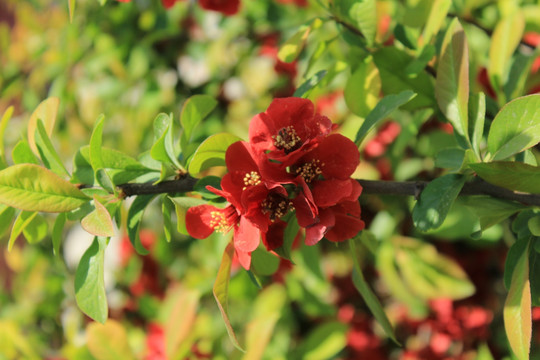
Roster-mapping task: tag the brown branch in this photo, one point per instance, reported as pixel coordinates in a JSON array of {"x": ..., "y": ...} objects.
[{"x": 373, "y": 187}]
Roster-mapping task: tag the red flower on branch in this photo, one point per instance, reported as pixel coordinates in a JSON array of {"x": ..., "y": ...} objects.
[{"x": 226, "y": 7}]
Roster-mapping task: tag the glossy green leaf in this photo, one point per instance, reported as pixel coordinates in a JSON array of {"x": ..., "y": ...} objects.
[
  {"x": 99, "y": 221},
  {"x": 381, "y": 111},
  {"x": 89, "y": 281},
  {"x": 6, "y": 217},
  {"x": 181, "y": 205},
  {"x": 437, "y": 15},
  {"x": 517, "y": 309},
  {"x": 108, "y": 341},
  {"x": 23, "y": 219},
  {"x": 364, "y": 14},
  {"x": 477, "y": 116},
  {"x": 163, "y": 148},
  {"x": 46, "y": 111},
  {"x": 221, "y": 291},
  {"x": 304, "y": 89},
  {"x": 450, "y": 158},
  {"x": 368, "y": 295},
  {"x": 452, "y": 81},
  {"x": 392, "y": 63},
  {"x": 34, "y": 188},
  {"x": 121, "y": 167},
  {"x": 363, "y": 88},
  {"x": 515, "y": 253},
  {"x": 211, "y": 152},
  {"x": 435, "y": 201},
  {"x": 290, "y": 50},
  {"x": 22, "y": 154},
  {"x": 96, "y": 158},
  {"x": 491, "y": 211},
  {"x": 57, "y": 232},
  {"x": 46, "y": 150},
  {"x": 290, "y": 233},
  {"x": 515, "y": 128},
  {"x": 134, "y": 219},
  {"x": 510, "y": 175},
  {"x": 166, "y": 209},
  {"x": 195, "y": 109},
  {"x": 504, "y": 41},
  {"x": 4, "y": 120},
  {"x": 36, "y": 230}
]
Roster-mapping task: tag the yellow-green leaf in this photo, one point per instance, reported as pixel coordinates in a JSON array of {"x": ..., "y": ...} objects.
[
  {"x": 99, "y": 221},
  {"x": 3, "y": 126},
  {"x": 46, "y": 111},
  {"x": 33, "y": 188},
  {"x": 211, "y": 152},
  {"x": 363, "y": 88},
  {"x": 108, "y": 341}
]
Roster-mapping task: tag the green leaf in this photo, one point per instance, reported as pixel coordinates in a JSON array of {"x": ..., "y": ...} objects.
[
  {"x": 99, "y": 221},
  {"x": 477, "y": 116},
  {"x": 36, "y": 230},
  {"x": 534, "y": 225},
  {"x": 520, "y": 71},
  {"x": 381, "y": 111},
  {"x": 517, "y": 309},
  {"x": 23, "y": 219},
  {"x": 195, "y": 109},
  {"x": 211, "y": 152},
  {"x": 364, "y": 13},
  {"x": 166, "y": 209},
  {"x": 451, "y": 159},
  {"x": 201, "y": 184},
  {"x": 439, "y": 10},
  {"x": 504, "y": 41},
  {"x": 515, "y": 128},
  {"x": 392, "y": 63},
  {"x": 46, "y": 150},
  {"x": 324, "y": 342},
  {"x": 304, "y": 89},
  {"x": 290, "y": 50},
  {"x": 108, "y": 341},
  {"x": 57, "y": 232},
  {"x": 367, "y": 294},
  {"x": 3, "y": 126},
  {"x": 89, "y": 281},
  {"x": 34, "y": 188},
  {"x": 510, "y": 175},
  {"x": 515, "y": 253},
  {"x": 490, "y": 210},
  {"x": 363, "y": 88},
  {"x": 6, "y": 216},
  {"x": 420, "y": 63},
  {"x": 71, "y": 7},
  {"x": 291, "y": 230},
  {"x": 121, "y": 167},
  {"x": 452, "y": 81},
  {"x": 263, "y": 263},
  {"x": 182, "y": 204},
  {"x": 96, "y": 159},
  {"x": 46, "y": 111},
  {"x": 163, "y": 148},
  {"x": 435, "y": 200},
  {"x": 134, "y": 219},
  {"x": 221, "y": 291},
  {"x": 406, "y": 35},
  {"x": 22, "y": 154}
]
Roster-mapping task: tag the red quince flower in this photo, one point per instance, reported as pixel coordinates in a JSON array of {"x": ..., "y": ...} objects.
[
  {"x": 226, "y": 7},
  {"x": 288, "y": 129}
]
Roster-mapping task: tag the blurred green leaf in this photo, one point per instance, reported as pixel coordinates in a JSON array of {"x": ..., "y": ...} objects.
[
  {"x": 435, "y": 200},
  {"x": 438, "y": 12},
  {"x": 291, "y": 230},
  {"x": 46, "y": 111},
  {"x": 420, "y": 63},
  {"x": 515, "y": 128},
  {"x": 510, "y": 175},
  {"x": 477, "y": 116},
  {"x": 36, "y": 230},
  {"x": 96, "y": 158},
  {"x": 452, "y": 81},
  {"x": 34, "y": 188},
  {"x": 364, "y": 14},
  {"x": 89, "y": 282},
  {"x": 57, "y": 232},
  {"x": 517, "y": 309},
  {"x": 166, "y": 209},
  {"x": 22, "y": 154},
  {"x": 195, "y": 109},
  {"x": 491, "y": 211},
  {"x": 290, "y": 50},
  {"x": 163, "y": 147},
  {"x": 4, "y": 121},
  {"x": 324, "y": 342},
  {"x": 363, "y": 88},
  {"x": 406, "y": 35},
  {"x": 304, "y": 89},
  {"x": 263, "y": 263},
  {"x": 6, "y": 217},
  {"x": 534, "y": 225},
  {"x": 211, "y": 152},
  {"x": 99, "y": 221},
  {"x": 134, "y": 219},
  {"x": 71, "y": 7},
  {"x": 381, "y": 111},
  {"x": 21, "y": 221},
  {"x": 46, "y": 150},
  {"x": 15, "y": 343},
  {"x": 221, "y": 291},
  {"x": 108, "y": 341}
]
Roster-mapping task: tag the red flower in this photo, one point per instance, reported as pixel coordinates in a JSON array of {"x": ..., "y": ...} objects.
[
  {"x": 226, "y": 7},
  {"x": 288, "y": 129},
  {"x": 155, "y": 343}
]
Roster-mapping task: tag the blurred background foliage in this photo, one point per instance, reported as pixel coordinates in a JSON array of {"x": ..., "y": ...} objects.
[{"x": 443, "y": 290}]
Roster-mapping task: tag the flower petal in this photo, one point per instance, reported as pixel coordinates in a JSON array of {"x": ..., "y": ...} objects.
[
  {"x": 316, "y": 232},
  {"x": 330, "y": 192},
  {"x": 338, "y": 156},
  {"x": 246, "y": 236},
  {"x": 198, "y": 220}
]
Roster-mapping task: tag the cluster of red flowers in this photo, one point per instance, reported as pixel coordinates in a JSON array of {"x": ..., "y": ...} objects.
[{"x": 292, "y": 163}]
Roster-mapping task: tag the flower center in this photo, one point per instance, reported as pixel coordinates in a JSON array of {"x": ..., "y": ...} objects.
[
  {"x": 310, "y": 170},
  {"x": 251, "y": 179},
  {"x": 287, "y": 139},
  {"x": 276, "y": 205},
  {"x": 222, "y": 221}
]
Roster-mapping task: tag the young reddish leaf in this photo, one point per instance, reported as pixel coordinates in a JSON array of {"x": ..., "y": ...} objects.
[
  {"x": 515, "y": 128},
  {"x": 221, "y": 291},
  {"x": 108, "y": 341},
  {"x": 517, "y": 309},
  {"x": 99, "y": 221},
  {"x": 504, "y": 41},
  {"x": 89, "y": 281},
  {"x": 363, "y": 88},
  {"x": 452, "y": 82},
  {"x": 46, "y": 111},
  {"x": 510, "y": 175},
  {"x": 33, "y": 188}
]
